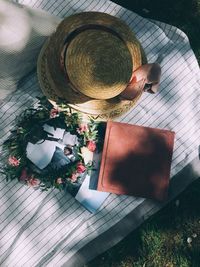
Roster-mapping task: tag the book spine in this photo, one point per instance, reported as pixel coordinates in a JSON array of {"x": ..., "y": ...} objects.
[{"x": 103, "y": 160}]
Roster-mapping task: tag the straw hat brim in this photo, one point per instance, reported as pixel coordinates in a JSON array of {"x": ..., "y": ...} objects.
[{"x": 53, "y": 82}]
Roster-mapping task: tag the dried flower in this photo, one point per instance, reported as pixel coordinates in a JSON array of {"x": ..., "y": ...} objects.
[
  {"x": 54, "y": 112},
  {"x": 91, "y": 145},
  {"x": 80, "y": 168},
  {"x": 13, "y": 161}
]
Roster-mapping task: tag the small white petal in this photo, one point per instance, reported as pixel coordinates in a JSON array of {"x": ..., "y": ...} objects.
[
  {"x": 189, "y": 240},
  {"x": 194, "y": 235}
]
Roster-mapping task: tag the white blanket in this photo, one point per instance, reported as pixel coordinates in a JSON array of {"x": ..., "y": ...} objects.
[{"x": 52, "y": 228}]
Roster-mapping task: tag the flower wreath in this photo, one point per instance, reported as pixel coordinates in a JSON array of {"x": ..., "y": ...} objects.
[{"x": 28, "y": 129}]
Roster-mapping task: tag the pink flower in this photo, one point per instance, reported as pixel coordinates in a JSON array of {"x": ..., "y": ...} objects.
[
  {"x": 54, "y": 112},
  {"x": 91, "y": 145},
  {"x": 33, "y": 182},
  {"x": 29, "y": 179},
  {"x": 74, "y": 177},
  {"x": 80, "y": 168},
  {"x": 82, "y": 128},
  {"x": 59, "y": 181},
  {"x": 13, "y": 161},
  {"x": 24, "y": 175}
]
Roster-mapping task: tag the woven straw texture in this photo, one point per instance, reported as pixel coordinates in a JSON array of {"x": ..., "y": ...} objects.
[
  {"x": 94, "y": 68},
  {"x": 99, "y": 64}
]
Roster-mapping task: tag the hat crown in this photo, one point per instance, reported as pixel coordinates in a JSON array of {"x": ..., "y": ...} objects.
[{"x": 98, "y": 62}]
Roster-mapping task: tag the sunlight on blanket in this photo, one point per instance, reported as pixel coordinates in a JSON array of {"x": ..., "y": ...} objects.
[
  {"x": 15, "y": 27},
  {"x": 22, "y": 33}
]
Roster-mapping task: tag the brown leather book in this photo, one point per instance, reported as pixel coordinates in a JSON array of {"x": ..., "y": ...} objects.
[{"x": 136, "y": 161}]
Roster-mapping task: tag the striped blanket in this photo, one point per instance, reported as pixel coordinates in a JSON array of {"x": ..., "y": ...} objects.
[{"x": 52, "y": 228}]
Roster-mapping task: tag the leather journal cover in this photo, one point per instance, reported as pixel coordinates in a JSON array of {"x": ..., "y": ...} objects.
[{"x": 136, "y": 161}]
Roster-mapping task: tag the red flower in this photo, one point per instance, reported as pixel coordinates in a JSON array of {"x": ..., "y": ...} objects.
[
  {"x": 54, "y": 112},
  {"x": 33, "y": 182},
  {"x": 82, "y": 128},
  {"x": 74, "y": 177},
  {"x": 29, "y": 179},
  {"x": 80, "y": 168},
  {"x": 13, "y": 161},
  {"x": 91, "y": 145},
  {"x": 59, "y": 180}
]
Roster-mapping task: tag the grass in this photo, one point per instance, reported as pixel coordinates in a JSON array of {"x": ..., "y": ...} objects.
[
  {"x": 162, "y": 241},
  {"x": 170, "y": 238}
]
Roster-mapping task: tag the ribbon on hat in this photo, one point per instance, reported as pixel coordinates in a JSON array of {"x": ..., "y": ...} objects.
[{"x": 146, "y": 78}]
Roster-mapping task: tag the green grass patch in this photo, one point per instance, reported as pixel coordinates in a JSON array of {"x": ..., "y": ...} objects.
[{"x": 162, "y": 241}]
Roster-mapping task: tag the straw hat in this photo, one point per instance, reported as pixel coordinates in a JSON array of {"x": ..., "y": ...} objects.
[{"x": 88, "y": 62}]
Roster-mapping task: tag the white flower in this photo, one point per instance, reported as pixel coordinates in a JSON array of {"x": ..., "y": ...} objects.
[{"x": 189, "y": 240}]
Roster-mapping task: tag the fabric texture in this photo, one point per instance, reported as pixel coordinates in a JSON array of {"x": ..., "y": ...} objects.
[
  {"x": 52, "y": 228},
  {"x": 22, "y": 33}
]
